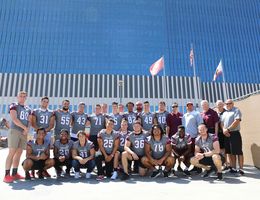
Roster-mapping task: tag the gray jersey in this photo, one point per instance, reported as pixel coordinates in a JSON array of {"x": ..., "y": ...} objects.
[
  {"x": 97, "y": 123},
  {"x": 158, "y": 148},
  {"x": 62, "y": 121},
  {"x": 130, "y": 117},
  {"x": 137, "y": 143},
  {"x": 108, "y": 140},
  {"x": 23, "y": 113},
  {"x": 37, "y": 149},
  {"x": 117, "y": 118},
  {"x": 64, "y": 149},
  {"x": 83, "y": 151},
  {"x": 161, "y": 116},
  {"x": 43, "y": 117},
  {"x": 122, "y": 138},
  {"x": 147, "y": 120},
  {"x": 230, "y": 116},
  {"x": 181, "y": 143},
  {"x": 79, "y": 122},
  {"x": 206, "y": 145}
]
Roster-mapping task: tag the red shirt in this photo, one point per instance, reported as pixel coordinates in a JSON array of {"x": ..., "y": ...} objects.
[
  {"x": 210, "y": 118},
  {"x": 173, "y": 121}
]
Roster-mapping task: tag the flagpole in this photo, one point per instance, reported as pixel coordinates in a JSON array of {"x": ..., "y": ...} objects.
[
  {"x": 164, "y": 81},
  {"x": 224, "y": 82},
  {"x": 194, "y": 77}
]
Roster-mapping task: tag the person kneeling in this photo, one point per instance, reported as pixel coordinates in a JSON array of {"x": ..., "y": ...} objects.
[
  {"x": 158, "y": 152},
  {"x": 37, "y": 155},
  {"x": 207, "y": 152},
  {"x": 83, "y": 154}
]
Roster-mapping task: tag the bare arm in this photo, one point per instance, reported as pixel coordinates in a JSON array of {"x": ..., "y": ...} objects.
[{"x": 52, "y": 121}]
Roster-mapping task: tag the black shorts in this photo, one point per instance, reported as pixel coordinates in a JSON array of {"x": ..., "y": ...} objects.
[
  {"x": 138, "y": 163},
  {"x": 233, "y": 144},
  {"x": 38, "y": 164},
  {"x": 93, "y": 138},
  {"x": 209, "y": 161},
  {"x": 221, "y": 139}
]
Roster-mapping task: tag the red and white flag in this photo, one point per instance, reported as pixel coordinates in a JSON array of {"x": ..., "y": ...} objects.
[
  {"x": 157, "y": 66},
  {"x": 218, "y": 71},
  {"x": 191, "y": 57}
]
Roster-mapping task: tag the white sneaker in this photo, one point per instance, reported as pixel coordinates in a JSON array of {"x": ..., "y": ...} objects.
[
  {"x": 77, "y": 175},
  {"x": 88, "y": 175},
  {"x": 114, "y": 175}
]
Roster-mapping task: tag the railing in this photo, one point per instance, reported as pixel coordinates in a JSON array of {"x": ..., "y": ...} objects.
[{"x": 246, "y": 96}]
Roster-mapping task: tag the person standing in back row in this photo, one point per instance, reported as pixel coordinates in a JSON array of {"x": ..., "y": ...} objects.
[
  {"x": 17, "y": 136},
  {"x": 173, "y": 121}
]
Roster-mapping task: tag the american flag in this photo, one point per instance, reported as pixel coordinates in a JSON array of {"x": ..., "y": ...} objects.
[{"x": 191, "y": 57}]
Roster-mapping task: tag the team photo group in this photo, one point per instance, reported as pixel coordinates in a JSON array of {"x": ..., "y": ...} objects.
[{"x": 130, "y": 141}]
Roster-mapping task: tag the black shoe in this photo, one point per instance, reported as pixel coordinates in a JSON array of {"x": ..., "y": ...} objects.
[
  {"x": 27, "y": 176},
  {"x": 208, "y": 172},
  {"x": 225, "y": 168},
  {"x": 165, "y": 173},
  {"x": 186, "y": 172},
  {"x": 241, "y": 172},
  {"x": 219, "y": 176},
  {"x": 232, "y": 170},
  {"x": 179, "y": 169},
  {"x": 40, "y": 175},
  {"x": 155, "y": 174},
  {"x": 173, "y": 172},
  {"x": 124, "y": 176},
  {"x": 198, "y": 170}
]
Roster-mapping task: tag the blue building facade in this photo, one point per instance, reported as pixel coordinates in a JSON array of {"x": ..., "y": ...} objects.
[{"x": 127, "y": 36}]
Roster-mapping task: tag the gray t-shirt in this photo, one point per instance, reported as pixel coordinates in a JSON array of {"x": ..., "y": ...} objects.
[
  {"x": 230, "y": 116},
  {"x": 79, "y": 122},
  {"x": 62, "y": 121},
  {"x": 147, "y": 120},
  {"x": 161, "y": 116},
  {"x": 83, "y": 151},
  {"x": 191, "y": 121},
  {"x": 181, "y": 143},
  {"x": 137, "y": 143},
  {"x": 64, "y": 149},
  {"x": 158, "y": 148},
  {"x": 122, "y": 138},
  {"x": 97, "y": 123},
  {"x": 43, "y": 117},
  {"x": 23, "y": 113},
  {"x": 108, "y": 140},
  {"x": 118, "y": 119},
  {"x": 206, "y": 145},
  {"x": 130, "y": 117},
  {"x": 37, "y": 149}
]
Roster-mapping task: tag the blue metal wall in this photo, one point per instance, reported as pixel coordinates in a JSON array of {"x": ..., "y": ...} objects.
[{"x": 127, "y": 36}]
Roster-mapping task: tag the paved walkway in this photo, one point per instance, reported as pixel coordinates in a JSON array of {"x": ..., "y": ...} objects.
[{"x": 241, "y": 187}]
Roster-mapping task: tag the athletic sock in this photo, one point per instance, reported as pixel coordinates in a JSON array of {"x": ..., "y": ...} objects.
[
  {"x": 14, "y": 172},
  {"x": 7, "y": 172}
]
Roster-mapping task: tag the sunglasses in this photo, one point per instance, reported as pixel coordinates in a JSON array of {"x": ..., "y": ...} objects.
[{"x": 228, "y": 103}]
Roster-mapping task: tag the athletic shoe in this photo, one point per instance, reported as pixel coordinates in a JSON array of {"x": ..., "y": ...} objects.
[
  {"x": 88, "y": 175},
  {"x": 77, "y": 175},
  {"x": 17, "y": 177},
  {"x": 8, "y": 179},
  {"x": 165, "y": 173},
  {"x": 219, "y": 176},
  {"x": 40, "y": 175},
  {"x": 100, "y": 178},
  {"x": 32, "y": 174},
  {"x": 233, "y": 171},
  {"x": 46, "y": 174},
  {"x": 124, "y": 176},
  {"x": 155, "y": 174},
  {"x": 186, "y": 172},
  {"x": 114, "y": 175},
  {"x": 27, "y": 176},
  {"x": 241, "y": 172},
  {"x": 179, "y": 169},
  {"x": 208, "y": 172}
]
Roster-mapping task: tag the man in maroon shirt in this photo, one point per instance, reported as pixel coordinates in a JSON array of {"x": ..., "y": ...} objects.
[
  {"x": 210, "y": 117},
  {"x": 173, "y": 120}
]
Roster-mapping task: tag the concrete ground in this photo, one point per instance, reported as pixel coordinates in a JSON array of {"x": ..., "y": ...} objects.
[{"x": 181, "y": 187}]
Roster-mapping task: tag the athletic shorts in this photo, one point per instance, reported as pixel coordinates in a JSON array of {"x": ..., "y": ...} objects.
[
  {"x": 208, "y": 160},
  {"x": 37, "y": 164},
  {"x": 138, "y": 163},
  {"x": 233, "y": 144},
  {"x": 221, "y": 139},
  {"x": 16, "y": 139}
]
